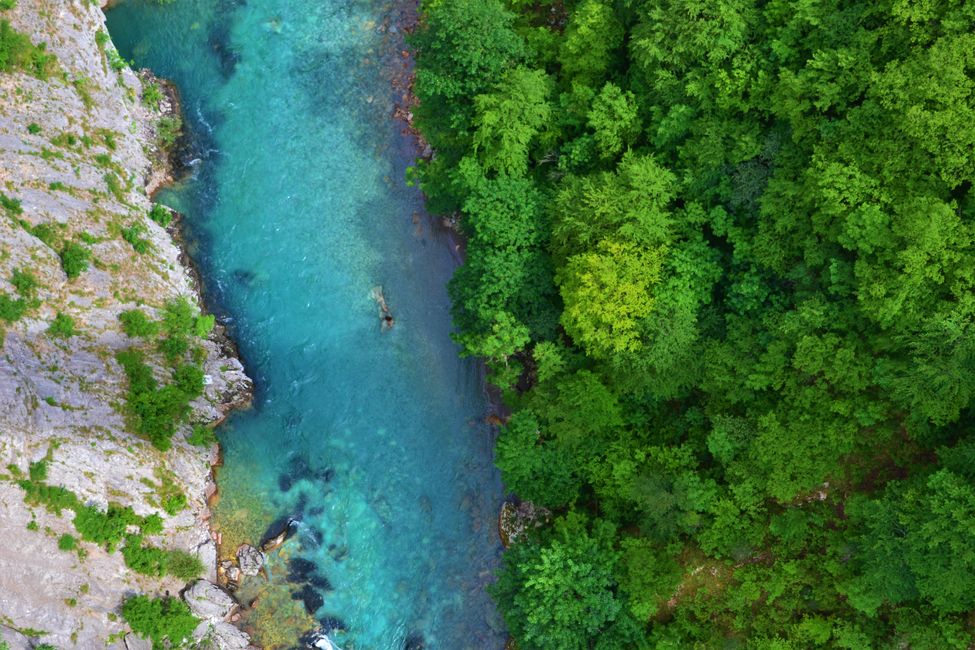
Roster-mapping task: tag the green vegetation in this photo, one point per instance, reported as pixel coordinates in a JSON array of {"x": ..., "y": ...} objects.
[
  {"x": 202, "y": 436},
  {"x": 62, "y": 326},
  {"x": 18, "y": 53},
  {"x": 25, "y": 284},
  {"x": 137, "y": 324},
  {"x": 134, "y": 235},
  {"x": 7, "y": 4},
  {"x": 11, "y": 205},
  {"x": 166, "y": 621},
  {"x": 74, "y": 257},
  {"x": 152, "y": 95},
  {"x": 67, "y": 542},
  {"x": 719, "y": 261},
  {"x": 158, "y": 411},
  {"x": 33, "y": 128},
  {"x": 156, "y": 562},
  {"x": 161, "y": 215},
  {"x": 168, "y": 130}
]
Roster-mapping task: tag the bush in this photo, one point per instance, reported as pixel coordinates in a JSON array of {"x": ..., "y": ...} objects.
[
  {"x": 159, "y": 619},
  {"x": 18, "y": 53},
  {"x": 133, "y": 235},
  {"x": 201, "y": 436},
  {"x": 11, "y": 205},
  {"x": 137, "y": 324},
  {"x": 7, "y": 4},
  {"x": 183, "y": 565},
  {"x": 168, "y": 130},
  {"x": 161, "y": 215},
  {"x": 33, "y": 128},
  {"x": 159, "y": 411},
  {"x": 38, "y": 470},
  {"x": 152, "y": 96},
  {"x": 46, "y": 233},
  {"x": 174, "y": 503},
  {"x": 24, "y": 282},
  {"x": 74, "y": 259},
  {"x": 11, "y": 309},
  {"x": 67, "y": 542},
  {"x": 147, "y": 560},
  {"x": 62, "y": 326}
]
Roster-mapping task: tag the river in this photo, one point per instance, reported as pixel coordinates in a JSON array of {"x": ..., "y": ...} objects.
[{"x": 296, "y": 209}]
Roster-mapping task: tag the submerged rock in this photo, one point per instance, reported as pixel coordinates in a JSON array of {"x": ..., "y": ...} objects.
[
  {"x": 278, "y": 532},
  {"x": 332, "y": 624},
  {"x": 415, "y": 641},
  {"x": 299, "y": 569},
  {"x": 250, "y": 560},
  {"x": 209, "y": 602},
  {"x": 308, "y": 595}
]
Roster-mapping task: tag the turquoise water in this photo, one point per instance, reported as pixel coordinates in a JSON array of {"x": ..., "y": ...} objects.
[{"x": 297, "y": 209}]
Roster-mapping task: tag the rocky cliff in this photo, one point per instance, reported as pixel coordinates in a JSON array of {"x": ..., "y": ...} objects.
[{"x": 77, "y": 249}]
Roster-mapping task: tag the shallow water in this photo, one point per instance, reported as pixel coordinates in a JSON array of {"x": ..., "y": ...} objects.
[{"x": 297, "y": 208}]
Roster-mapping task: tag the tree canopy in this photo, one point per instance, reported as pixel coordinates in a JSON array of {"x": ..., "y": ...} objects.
[{"x": 721, "y": 263}]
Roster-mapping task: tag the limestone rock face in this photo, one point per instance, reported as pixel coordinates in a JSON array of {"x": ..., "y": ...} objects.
[
  {"x": 61, "y": 138},
  {"x": 136, "y": 642},
  {"x": 209, "y": 602}
]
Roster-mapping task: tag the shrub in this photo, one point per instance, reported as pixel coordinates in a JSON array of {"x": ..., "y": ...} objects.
[
  {"x": 133, "y": 235},
  {"x": 7, "y": 4},
  {"x": 74, "y": 259},
  {"x": 158, "y": 411},
  {"x": 114, "y": 185},
  {"x": 107, "y": 527},
  {"x": 18, "y": 53},
  {"x": 147, "y": 560},
  {"x": 67, "y": 542},
  {"x": 46, "y": 233},
  {"x": 168, "y": 130},
  {"x": 62, "y": 326},
  {"x": 160, "y": 619},
  {"x": 11, "y": 205},
  {"x": 38, "y": 470},
  {"x": 33, "y": 128},
  {"x": 201, "y": 436},
  {"x": 183, "y": 565},
  {"x": 152, "y": 96},
  {"x": 11, "y": 309},
  {"x": 174, "y": 503},
  {"x": 137, "y": 324},
  {"x": 24, "y": 282},
  {"x": 161, "y": 215}
]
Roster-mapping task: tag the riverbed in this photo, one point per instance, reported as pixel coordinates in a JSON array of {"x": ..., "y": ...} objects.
[{"x": 297, "y": 211}]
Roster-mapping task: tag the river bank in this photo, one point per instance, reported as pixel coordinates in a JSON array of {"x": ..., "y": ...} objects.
[{"x": 76, "y": 164}]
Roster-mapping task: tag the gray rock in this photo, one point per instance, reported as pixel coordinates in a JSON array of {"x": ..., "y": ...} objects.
[
  {"x": 209, "y": 602},
  {"x": 221, "y": 636},
  {"x": 250, "y": 560},
  {"x": 134, "y": 642},
  {"x": 14, "y": 639}
]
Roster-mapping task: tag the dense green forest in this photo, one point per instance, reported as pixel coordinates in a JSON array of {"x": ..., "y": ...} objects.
[{"x": 720, "y": 260}]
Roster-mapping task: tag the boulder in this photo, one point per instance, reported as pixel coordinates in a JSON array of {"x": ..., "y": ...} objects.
[
  {"x": 135, "y": 642},
  {"x": 221, "y": 636},
  {"x": 250, "y": 560},
  {"x": 209, "y": 602}
]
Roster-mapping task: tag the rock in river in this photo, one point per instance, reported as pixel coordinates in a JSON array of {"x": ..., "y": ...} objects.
[{"x": 250, "y": 560}]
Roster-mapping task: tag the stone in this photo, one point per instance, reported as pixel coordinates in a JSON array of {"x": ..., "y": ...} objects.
[
  {"x": 250, "y": 560},
  {"x": 209, "y": 602},
  {"x": 221, "y": 636},
  {"x": 136, "y": 642}
]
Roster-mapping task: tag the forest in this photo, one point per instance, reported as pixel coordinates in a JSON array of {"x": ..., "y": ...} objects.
[{"x": 720, "y": 262}]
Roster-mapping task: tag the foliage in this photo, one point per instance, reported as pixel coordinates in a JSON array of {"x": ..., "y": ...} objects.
[
  {"x": 67, "y": 542},
  {"x": 18, "y": 53},
  {"x": 74, "y": 259},
  {"x": 719, "y": 257},
  {"x": 168, "y": 130},
  {"x": 62, "y": 326},
  {"x": 167, "y": 621},
  {"x": 201, "y": 436},
  {"x": 161, "y": 215},
  {"x": 137, "y": 324}
]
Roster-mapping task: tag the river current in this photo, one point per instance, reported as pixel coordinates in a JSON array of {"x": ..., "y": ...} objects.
[{"x": 296, "y": 211}]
